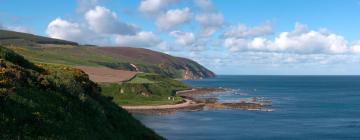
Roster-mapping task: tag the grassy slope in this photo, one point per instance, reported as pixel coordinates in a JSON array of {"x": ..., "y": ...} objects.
[
  {"x": 58, "y": 102},
  {"x": 68, "y": 55},
  {"x": 9, "y": 37},
  {"x": 116, "y": 57},
  {"x": 49, "y": 50},
  {"x": 144, "y": 89}
]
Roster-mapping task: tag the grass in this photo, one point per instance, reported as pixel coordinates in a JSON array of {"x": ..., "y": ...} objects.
[
  {"x": 69, "y": 55},
  {"x": 143, "y": 90},
  {"x": 93, "y": 56},
  {"x": 90, "y": 56},
  {"x": 36, "y": 114},
  {"x": 139, "y": 79},
  {"x": 112, "y": 90},
  {"x": 58, "y": 102},
  {"x": 11, "y": 37},
  {"x": 54, "y": 51}
]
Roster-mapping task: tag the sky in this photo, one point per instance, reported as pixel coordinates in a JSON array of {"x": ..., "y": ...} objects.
[{"x": 247, "y": 37}]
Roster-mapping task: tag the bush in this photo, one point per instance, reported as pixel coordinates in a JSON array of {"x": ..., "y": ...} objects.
[{"x": 58, "y": 102}]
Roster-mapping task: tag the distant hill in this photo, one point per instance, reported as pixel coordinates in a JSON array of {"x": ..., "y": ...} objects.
[
  {"x": 58, "y": 102},
  {"x": 8, "y": 37},
  {"x": 47, "y": 50}
]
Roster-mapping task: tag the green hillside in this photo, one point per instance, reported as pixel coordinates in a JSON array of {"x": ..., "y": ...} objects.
[
  {"x": 144, "y": 89},
  {"x": 47, "y": 50},
  {"x": 9, "y": 37},
  {"x": 58, "y": 102}
]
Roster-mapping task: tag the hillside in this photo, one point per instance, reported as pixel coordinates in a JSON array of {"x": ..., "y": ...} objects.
[
  {"x": 58, "y": 102},
  {"x": 144, "y": 89},
  {"x": 123, "y": 58},
  {"x": 9, "y": 37}
]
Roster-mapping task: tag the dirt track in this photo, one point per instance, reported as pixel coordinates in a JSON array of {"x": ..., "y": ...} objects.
[{"x": 107, "y": 75}]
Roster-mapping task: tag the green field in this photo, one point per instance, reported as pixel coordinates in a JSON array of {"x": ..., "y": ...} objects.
[
  {"x": 144, "y": 89},
  {"x": 67, "y": 55}
]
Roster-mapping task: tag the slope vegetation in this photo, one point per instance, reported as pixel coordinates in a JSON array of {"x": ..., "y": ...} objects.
[
  {"x": 47, "y": 50},
  {"x": 9, "y": 37},
  {"x": 58, "y": 102},
  {"x": 145, "y": 89}
]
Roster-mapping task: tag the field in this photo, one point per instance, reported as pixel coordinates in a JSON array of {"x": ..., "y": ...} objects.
[
  {"x": 107, "y": 75},
  {"x": 144, "y": 89}
]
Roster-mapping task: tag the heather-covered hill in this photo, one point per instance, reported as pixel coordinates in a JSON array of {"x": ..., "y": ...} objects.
[{"x": 47, "y": 50}]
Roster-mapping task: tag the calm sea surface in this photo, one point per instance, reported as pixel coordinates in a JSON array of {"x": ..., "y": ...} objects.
[{"x": 305, "y": 107}]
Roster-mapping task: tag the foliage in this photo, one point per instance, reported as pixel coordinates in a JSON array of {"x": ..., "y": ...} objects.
[
  {"x": 11, "y": 56},
  {"x": 58, "y": 102},
  {"x": 49, "y": 50},
  {"x": 144, "y": 89}
]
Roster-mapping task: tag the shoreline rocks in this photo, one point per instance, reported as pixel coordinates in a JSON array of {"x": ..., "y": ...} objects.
[{"x": 204, "y": 103}]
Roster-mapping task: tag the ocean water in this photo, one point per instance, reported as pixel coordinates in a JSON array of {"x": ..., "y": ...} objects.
[{"x": 305, "y": 107}]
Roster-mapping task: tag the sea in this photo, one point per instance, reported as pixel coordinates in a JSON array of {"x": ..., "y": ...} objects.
[{"x": 304, "y": 108}]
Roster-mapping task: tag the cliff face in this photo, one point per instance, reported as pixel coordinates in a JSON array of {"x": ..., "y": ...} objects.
[
  {"x": 48, "y": 50},
  {"x": 192, "y": 70}
]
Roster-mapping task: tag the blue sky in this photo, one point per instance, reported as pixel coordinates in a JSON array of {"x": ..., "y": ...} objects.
[{"x": 302, "y": 37}]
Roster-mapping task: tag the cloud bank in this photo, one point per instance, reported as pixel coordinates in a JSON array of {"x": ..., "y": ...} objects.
[
  {"x": 300, "y": 40},
  {"x": 197, "y": 29}
]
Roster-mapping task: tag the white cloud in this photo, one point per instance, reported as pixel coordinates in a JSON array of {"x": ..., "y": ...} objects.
[
  {"x": 154, "y": 6},
  {"x": 355, "y": 48},
  {"x": 312, "y": 59},
  {"x": 205, "y": 5},
  {"x": 300, "y": 41},
  {"x": 208, "y": 18},
  {"x": 300, "y": 29},
  {"x": 235, "y": 44},
  {"x": 85, "y": 5},
  {"x": 210, "y": 22},
  {"x": 173, "y": 18},
  {"x": 311, "y": 42},
  {"x": 102, "y": 20},
  {"x": 141, "y": 39},
  {"x": 242, "y": 31},
  {"x": 101, "y": 27},
  {"x": 164, "y": 47},
  {"x": 183, "y": 38},
  {"x": 18, "y": 29},
  {"x": 250, "y": 44},
  {"x": 171, "y": 21},
  {"x": 63, "y": 29}
]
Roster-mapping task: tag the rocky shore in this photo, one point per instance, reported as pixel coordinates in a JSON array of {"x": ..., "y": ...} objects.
[{"x": 193, "y": 103}]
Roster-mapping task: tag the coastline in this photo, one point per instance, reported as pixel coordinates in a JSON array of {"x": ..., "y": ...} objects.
[
  {"x": 187, "y": 105},
  {"x": 192, "y": 103}
]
